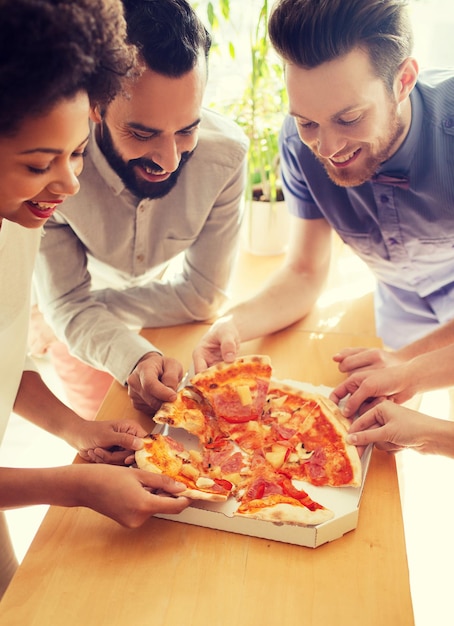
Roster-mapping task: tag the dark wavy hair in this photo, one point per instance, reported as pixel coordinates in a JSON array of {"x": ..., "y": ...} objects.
[
  {"x": 168, "y": 34},
  {"x": 311, "y": 32},
  {"x": 52, "y": 49}
]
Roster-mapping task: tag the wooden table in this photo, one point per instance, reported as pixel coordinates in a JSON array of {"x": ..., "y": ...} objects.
[{"x": 85, "y": 570}]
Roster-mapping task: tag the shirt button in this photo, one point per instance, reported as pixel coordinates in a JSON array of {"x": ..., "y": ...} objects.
[
  {"x": 449, "y": 122},
  {"x": 140, "y": 258},
  {"x": 384, "y": 198}
]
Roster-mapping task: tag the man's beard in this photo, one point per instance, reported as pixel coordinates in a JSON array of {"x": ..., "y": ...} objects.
[
  {"x": 126, "y": 169},
  {"x": 349, "y": 177}
]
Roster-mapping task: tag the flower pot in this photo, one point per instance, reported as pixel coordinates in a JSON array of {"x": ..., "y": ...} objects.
[{"x": 266, "y": 228}]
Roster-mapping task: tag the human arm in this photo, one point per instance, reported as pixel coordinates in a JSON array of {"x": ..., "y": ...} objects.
[
  {"x": 353, "y": 359},
  {"x": 392, "y": 427},
  {"x": 398, "y": 382},
  {"x": 287, "y": 297},
  {"x": 124, "y": 494},
  {"x": 200, "y": 222},
  {"x": 154, "y": 380},
  {"x": 94, "y": 440}
]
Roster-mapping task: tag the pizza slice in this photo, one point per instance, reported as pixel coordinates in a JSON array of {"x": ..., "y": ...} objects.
[
  {"x": 164, "y": 455},
  {"x": 272, "y": 497},
  {"x": 332, "y": 461},
  {"x": 223, "y": 460},
  {"x": 236, "y": 391},
  {"x": 191, "y": 412},
  {"x": 307, "y": 439}
]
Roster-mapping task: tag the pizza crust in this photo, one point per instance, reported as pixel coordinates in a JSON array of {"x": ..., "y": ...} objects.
[
  {"x": 286, "y": 513},
  {"x": 340, "y": 424},
  {"x": 219, "y": 369},
  {"x": 144, "y": 462}
]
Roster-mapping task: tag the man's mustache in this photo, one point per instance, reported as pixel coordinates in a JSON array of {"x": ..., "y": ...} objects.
[{"x": 157, "y": 169}]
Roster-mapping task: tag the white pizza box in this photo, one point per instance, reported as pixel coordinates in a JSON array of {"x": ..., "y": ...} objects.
[{"x": 343, "y": 501}]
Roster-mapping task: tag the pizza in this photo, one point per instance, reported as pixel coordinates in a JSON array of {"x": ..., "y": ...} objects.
[{"x": 257, "y": 440}]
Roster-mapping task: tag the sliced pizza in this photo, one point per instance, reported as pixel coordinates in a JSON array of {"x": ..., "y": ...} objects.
[
  {"x": 236, "y": 391},
  {"x": 332, "y": 461},
  {"x": 256, "y": 437},
  {"x": 191, "y": 412},
  {"x": 272, "y": 497},
  {"x": 164, "y": 455},
  {"x": 307, "y": 439}
]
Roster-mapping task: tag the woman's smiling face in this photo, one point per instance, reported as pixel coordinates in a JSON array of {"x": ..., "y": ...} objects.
[{"x": 40, "y": 163}]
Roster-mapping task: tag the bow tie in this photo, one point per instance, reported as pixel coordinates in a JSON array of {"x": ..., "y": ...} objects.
[{"x": 390, "y": 179}]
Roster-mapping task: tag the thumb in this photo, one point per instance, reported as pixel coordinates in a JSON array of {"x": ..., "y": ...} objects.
[
  {"x": 160, "y": 481},
  {"x": 199, "y": 362},
  {"x": 127, "y": 441},
  {"x": 229, "y": 350}
]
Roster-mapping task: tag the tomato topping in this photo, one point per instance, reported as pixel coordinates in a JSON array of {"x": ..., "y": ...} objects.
[
  {"x": 217, "y": 443},
  {"x": 225, "y": 484},
  {"x": 239, "y": 419}
]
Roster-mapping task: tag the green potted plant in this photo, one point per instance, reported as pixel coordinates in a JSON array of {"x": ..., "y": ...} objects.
[{"x": 259, "y": 110}]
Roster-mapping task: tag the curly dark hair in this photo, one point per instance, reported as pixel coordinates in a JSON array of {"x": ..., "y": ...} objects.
[
  {"x": 52, "y": 49},
  {"x": 168, "y": 33},
  {"x": 311, "y": 32}
]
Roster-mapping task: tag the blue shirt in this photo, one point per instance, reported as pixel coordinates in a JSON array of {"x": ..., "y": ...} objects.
[{"x": 405, "y": 235}]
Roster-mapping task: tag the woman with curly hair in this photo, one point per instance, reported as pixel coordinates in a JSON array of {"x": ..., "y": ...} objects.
[{"x": 58, "y": 59}]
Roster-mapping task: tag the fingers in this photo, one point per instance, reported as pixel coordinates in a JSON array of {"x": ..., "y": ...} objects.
[
  {"x": 171, "y": 506},
  {"x": 342, "y": 354},
  {"x": 365, "y": 422},
  {"x": 359, "y": 393},
  {"x": 127, "y": 441},
  {"x": 199, "y": 361},
  {"x": 172, "y": 374},
  {"x": 373, "y": 436},
  {"x": 229, "y": 349},
  {"x": 110, "y": 457},
  {"x": 159, "y": 482},
  {"x": 339, "y": 392},
  {"x": 134, "y": 428},
  {"x": 153, "y": 381},
  {"x": 369, "y": 428},
  {"x": 351, "y": 359}
]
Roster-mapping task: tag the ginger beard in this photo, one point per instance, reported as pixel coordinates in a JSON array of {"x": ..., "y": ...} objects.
[{"x": 369, "y": 158}]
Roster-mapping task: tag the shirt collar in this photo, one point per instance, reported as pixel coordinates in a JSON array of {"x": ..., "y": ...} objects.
[{"x": 400, "y": 161}]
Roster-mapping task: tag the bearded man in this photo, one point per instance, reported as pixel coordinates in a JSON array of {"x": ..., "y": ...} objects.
[
  {"x": 163, "y": 179},
  {"x": 367, "y": 150}
]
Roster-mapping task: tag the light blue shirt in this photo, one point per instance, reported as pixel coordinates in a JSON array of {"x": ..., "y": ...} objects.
[{"x": 405, "y": 235}]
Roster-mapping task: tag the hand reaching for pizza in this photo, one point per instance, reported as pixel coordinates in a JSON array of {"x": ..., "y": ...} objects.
[
  {"x": 153, "y": 381},
  {"x": 392, "y": 427},
  {"x": 360, "y": 359},
  {"x": 368, "y": 387},
  {"x": 128, "y": 496},
  {"x": 220, "y": 343},
  {"x": 109, "y": 442}
]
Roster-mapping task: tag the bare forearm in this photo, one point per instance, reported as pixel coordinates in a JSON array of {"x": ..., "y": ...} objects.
[
  {"x": 287, "y": 298},
  {"x": 441, "y": 440},
  {"x": 431, "y": 370},
  {"x": 436, "y": 340},
  {"x": 25, "y": 487},
  {"x": 36, "y": 403}
]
